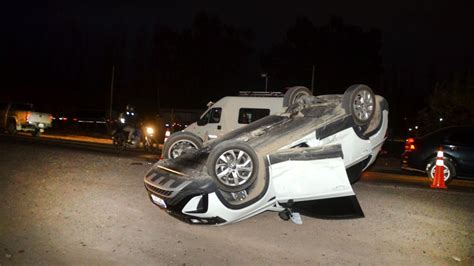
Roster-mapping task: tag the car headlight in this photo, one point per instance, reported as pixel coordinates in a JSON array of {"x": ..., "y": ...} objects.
[
  {"x": 122, "y": 120},
  {"x": 150, "y": 130}
]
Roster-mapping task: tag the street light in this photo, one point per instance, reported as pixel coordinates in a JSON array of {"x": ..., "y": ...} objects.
[{"x": 264, "y": 75}]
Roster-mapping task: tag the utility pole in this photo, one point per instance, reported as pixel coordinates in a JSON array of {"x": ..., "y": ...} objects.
[
  {"x": 111, "y": 91},
  {"x": 264, "y": 75},
  {"x": 312, "y": 80},
  {"x": 158, "y": 98}
]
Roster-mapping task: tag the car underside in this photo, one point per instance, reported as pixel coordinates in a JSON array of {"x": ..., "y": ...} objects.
[{"x": 301, "y": 161}]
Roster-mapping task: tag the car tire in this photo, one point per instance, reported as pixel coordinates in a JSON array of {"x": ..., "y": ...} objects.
[
  {"x": 11, "y": 128},
  {"x": 449, "y": 170},
  {"x": 294, "y": 94},
  {"x": 149, "y": 145},
  {"x": 223, "y": 162},
  {"x": 119, "y": 140},
  {"x": 179, "y": 142},
  {"x": 36, "y": 133},
  {"x": 359, "y": 101}
]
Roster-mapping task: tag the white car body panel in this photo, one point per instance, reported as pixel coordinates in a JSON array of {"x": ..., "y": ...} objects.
[
  {"x": 293, "y": 181},
  {"x": 306, "y": 160}
]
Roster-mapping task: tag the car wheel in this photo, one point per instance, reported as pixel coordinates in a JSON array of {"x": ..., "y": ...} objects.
[
  {"x": 11, "y": 128},
  {"x": 449, "y": 170},
  {"x": 119, "y": 140},
  {"x": 36, "y": 133},
  {"x": 149, "y": 145},
  {"x": 233, "y": 165},
  {"x": 180, "y": 142},
  {"x": 294, "y": 94},
  {"x": 359, "y": 101}
]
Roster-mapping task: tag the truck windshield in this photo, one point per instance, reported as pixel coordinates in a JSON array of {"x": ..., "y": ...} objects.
[{"x": 211, "y": 116}]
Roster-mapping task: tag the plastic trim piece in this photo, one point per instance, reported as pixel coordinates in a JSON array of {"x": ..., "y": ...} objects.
[
  {"x": 307, "y": 154},
  {"x": 333, "y": 208}
]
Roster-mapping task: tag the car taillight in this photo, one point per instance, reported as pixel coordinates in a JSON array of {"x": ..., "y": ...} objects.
[{"x": 410, "y": 144}]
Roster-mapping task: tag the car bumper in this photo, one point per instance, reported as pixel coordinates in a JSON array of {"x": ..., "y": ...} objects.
[
  {"x": 183, "y": 197},
  {"x": 32, "y": 126}
]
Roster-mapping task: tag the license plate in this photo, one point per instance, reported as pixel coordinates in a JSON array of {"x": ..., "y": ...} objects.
[
  {"x": 40, "y": 125},
  {"x": 158, "y": 201}
]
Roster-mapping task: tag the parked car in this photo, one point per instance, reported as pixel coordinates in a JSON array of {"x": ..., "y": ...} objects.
[
  {"x": 457, "y": 144},
  {"x": 227, "y": 114},
  {"x": 16, "y": 117},
  {"x": 300, "y": 161}
]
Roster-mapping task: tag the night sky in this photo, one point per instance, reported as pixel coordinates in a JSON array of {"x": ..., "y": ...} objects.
[{"x": 56, "y": 54}]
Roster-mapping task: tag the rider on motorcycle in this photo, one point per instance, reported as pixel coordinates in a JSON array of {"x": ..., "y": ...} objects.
[{"x": 130, "y": 120}]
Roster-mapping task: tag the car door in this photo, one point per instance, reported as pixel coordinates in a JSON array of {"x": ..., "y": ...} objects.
[
  {"x": 461, "y": 144},
  {"x": 314, "y": 182}
]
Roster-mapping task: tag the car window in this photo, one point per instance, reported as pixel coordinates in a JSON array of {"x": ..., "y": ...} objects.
[
  {"x": 462, "y": 136},
  {"x": 211, "y": 116},
  {"x": 204, "y": 119},
  {"x": 215, "y": 115},
  {"x": 249, "y": 115}
]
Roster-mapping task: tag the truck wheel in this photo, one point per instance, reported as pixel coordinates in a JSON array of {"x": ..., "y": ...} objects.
[
  {"x": 11, "y": 128},
  {"x": 179, "y": 143},
  {"x": 359, "y": 101},
  {"x": 294, "y": 94},
  {"x": 233, "y": 165},
  {"x": 36, "y": 133}
]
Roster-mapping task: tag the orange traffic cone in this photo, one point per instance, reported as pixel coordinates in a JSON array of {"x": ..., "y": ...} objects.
[{"x": 438, "y": 179}]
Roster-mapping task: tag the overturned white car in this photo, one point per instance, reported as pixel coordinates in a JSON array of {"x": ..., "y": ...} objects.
[{"x": 301, "y": 161}]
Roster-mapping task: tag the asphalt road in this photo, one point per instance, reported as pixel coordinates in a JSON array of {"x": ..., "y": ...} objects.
[
  {"x": 63, "y": 205},
  {"x": 386, "y": 169}
]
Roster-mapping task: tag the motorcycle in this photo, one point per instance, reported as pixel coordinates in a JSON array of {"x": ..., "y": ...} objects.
[{"x": 143, "y": 137}]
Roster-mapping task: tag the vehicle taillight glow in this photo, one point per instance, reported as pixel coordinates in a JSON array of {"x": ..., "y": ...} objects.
[{"x": 410, "y": 144}]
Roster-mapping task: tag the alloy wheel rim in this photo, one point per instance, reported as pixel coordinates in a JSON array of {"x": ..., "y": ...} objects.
[
  {"x": 234, "y": 167},
  {"x": 180, "y": 146},
  {"x": 446, "y": 172},
  {"x": 363, "y": 105}
]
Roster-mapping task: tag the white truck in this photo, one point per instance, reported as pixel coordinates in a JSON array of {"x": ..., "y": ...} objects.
[
  {"x": 227, "y": 114},
  {"x": 16, "y": 117}
]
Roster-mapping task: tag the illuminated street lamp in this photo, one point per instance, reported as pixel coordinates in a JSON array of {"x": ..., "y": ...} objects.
[
  {"x": 440, "y": 119},
  {"x": 264, "y": 75}
]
